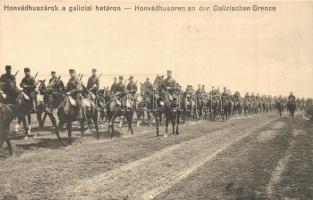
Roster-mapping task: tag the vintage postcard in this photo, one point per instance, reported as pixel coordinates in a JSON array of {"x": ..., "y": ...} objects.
[{"x": 195, "y": 100}]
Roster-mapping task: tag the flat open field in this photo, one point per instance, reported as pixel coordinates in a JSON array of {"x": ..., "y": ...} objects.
[{"x": 257, "y": 157}]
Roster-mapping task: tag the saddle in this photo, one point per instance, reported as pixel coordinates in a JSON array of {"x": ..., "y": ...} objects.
[
  {"x": 4, "y": 96},
  {"x": 26, "y": 96},
  {"x": 72, "y": 101}
]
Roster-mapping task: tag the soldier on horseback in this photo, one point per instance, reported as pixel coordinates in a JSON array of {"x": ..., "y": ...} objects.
[
  {"x": 7, "y": 79},
  {"x": 55, "y": 83},
  {"x": 74, "y": 90},
  {"x": 120, "y": 91},
  {"x": 28, "y": 84},
  {"x": 8, "y": 76},
  {"x": 170, "y": 85},
  {"x": 93, "y": 82},
  {"x": 149, "y": 87},
  {"x": 132, "y": 87},
  {"x": 114, "y": 85},
  {"x": 291, "y": 97}
]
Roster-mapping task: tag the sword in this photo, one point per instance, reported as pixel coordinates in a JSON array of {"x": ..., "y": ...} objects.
[{"x": 16, "y": 73}]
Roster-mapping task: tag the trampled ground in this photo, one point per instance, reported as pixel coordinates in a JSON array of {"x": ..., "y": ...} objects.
[{"x": 258, "y": 157}]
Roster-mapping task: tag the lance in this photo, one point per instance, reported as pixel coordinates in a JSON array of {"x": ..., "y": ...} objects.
[{"x": 16, "y": 73}]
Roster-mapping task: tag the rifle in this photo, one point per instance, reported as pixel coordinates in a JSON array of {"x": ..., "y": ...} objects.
[
  {"x": 81, "y": 77},
  {"x": 36, "y": 75},
  {"x": 16, "y": 73},
  {"x": 99, "y": 76}
]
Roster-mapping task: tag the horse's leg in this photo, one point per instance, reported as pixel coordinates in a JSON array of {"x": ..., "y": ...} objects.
[
  {"x": 95, "y": 121},
  {"x": 44, "y": 118},
  {"x": 7, "y": 140},
  {"x": 112, "y": 125},
  {"x": 52, "y": 119},
  {"x": 121, "y": 122},
  {"x": 38, "y": 114},
  {"x": 138, "y": 118},
  {"x": 149, "y": 117},
  {"x": 177, "y": 122},
  {"x": 130, "y": 122},
  {"x": 157, "y": 123},
  {"x": 57, "y": 132},
  {"x": 25, "y": 127},
  {"x": 69, "y": 131},
  {"x": 166, "y": 121},
  {"x": 173, "y": 120},
  {"x": 82, "y": 127}
]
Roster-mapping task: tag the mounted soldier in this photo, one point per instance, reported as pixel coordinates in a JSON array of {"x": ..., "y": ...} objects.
[
  {"x": 7, "y": 79},
  {"x": 114, "y": 85},
  {"x": 225, "y": 94},
  {"x": 8, "y": 76},
  {"x": 170, "y": 85},
  {"x": 120, "y": 91},
  {"x": 74, "y": 90},
  {"x": 28, "y": 84},
  {"x": 291, "y": 97},
  {"x": 55, "y": 83},
  {"x": 199, "y": 91},
  {"x": 132, "y": 87},
  {"x": 149, "y": 87},
  {"x": 93, "y": 82}
]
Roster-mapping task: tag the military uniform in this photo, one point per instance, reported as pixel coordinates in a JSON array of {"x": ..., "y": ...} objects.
[
  {"x": 120, "y": 89},
  {"x": 113, "y": 86},
  {"x": 74, "y": 89},
  {"x": 8, "y": 77},
  {"x": 28, "y": 84},
  {"x": 149, "y": 88},
  {"x": 93, "y": 84},
  {"x": 132, "y": 88},
  {"x": 291, "y": 98},
  {"x": 170, "y": 85},
  {"x": 56, "y": 84}
]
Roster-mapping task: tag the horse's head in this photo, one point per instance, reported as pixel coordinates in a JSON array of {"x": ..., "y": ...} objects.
[
  {"x": 42, "y": 87},
  {"x": 143, "y": 89}
]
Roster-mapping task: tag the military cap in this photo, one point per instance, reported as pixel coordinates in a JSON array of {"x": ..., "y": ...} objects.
[
  {"x": 131, "y": 77},
  {"x": 7, "y": 67},
  {"x": 120, "y": 77},
  {"x": 72, "y": 71},
  {"x": 94, "y": 70},
  {"x": 52, "y": 72},
  {"x": 169, "y": 71},
  {"x": 26, "y": 69},
  {"x": 147, "y": 79}
]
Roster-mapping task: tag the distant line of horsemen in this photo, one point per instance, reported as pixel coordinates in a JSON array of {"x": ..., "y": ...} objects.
[{"x": 77, "y": 102}]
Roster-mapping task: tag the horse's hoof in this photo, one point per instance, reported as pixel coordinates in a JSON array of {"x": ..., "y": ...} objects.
[
  {"x": 26, "y": 137},
  {"x": 165, "y": 135}
]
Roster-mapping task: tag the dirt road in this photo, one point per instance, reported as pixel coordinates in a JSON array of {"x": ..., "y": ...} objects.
[{"x": 261, "y": 157}]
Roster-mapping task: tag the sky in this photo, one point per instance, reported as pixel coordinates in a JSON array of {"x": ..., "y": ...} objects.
[{"x": 264, "y": 52}]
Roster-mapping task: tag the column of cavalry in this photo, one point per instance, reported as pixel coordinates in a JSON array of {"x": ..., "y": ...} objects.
[{"x": 89, "y": 104}]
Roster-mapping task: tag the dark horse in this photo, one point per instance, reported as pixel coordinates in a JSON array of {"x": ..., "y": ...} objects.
[
  {"x": 18, "y": 98},
  {"x": 7, "y": 114},
  {"x": 168, "y": 104},
  {"x": 111, "y": 104},
  {"x": 67, "y": 113},
  {"x": 279, "y": 107},
  {"x": 291, "y": 106}
]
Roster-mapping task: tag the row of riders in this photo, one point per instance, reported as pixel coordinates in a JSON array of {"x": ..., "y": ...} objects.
[{"x": 77, "y": 102}]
